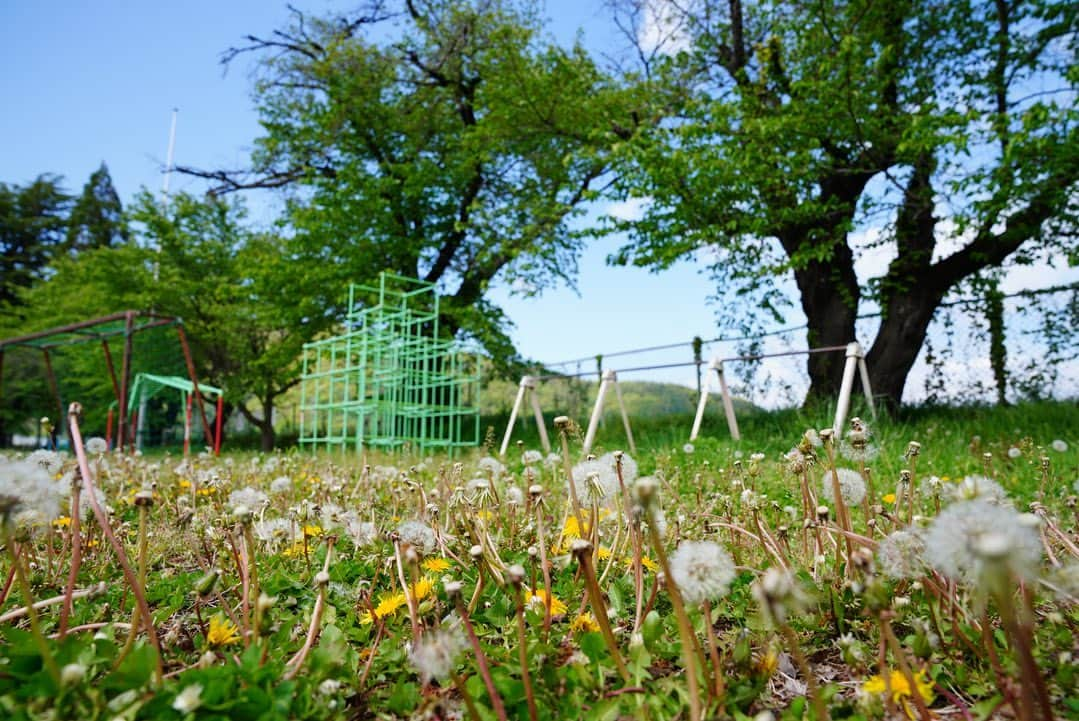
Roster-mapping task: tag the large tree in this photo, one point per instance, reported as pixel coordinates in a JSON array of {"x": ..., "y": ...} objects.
[
  {"x": 97, "y": 217},
  {"x": 444, "y": 140},
  {"x": 944, "y": 131}
]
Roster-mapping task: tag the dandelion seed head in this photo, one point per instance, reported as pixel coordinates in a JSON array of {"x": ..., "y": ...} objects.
[
  {"x": 514, "y": 496},
  {"x": 531, "y": 457},
  {"x": 281, "y": 484},
  {"x": 900, "y": 554},
  {"x": 1059, "y": 445},
  {"x": 491, "y": 466},
  {"x": 702, "y": 570},
  {"x": 851, "y": 486},
  {"x": 1014, "y": 452},
  {"x": 252, "y": 498},
  {"x": 96, "y": 445},
  {"x": 629, "y": 466},
  {"x": 974, "y": 487},
  {"x": 435, "y": 654},
  {"x": 49, "y": 460},
  {"x": 956, "y": 542},
  {"x": 418, "y": 534},
  {"x": 28, "y": 494}
]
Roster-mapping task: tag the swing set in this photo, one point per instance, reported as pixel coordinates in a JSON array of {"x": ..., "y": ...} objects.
[{"x": 126, "y": 325}]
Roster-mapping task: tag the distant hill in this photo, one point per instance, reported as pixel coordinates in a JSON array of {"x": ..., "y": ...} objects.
[{"x": 574, "y": 398}]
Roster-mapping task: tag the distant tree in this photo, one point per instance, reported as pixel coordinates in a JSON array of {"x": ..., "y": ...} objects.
[
  {"x": 32, "y": 222},
  {"x": 950, "y": 129},
  {"x": 246, "y": 309},
  {"x": 444, "y": 140},
  {"x": 97, "y": 218}
]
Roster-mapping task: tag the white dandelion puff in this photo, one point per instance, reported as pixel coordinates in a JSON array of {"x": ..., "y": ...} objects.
[
  {"x": 702, "y": 570},
  {"x": 250, "y": 497},
  {"x": 436, "y": 653},
  {"x": 973, "y": 487},
  {"x": 851, "y": 486},
  {"x": 900, "y": 554},
  {"x": 281, "y": 484},
  {"x": 417, "y": 534},
  {"x": 96, "y": 446},
  {"x": 1059, "y": 446},
  {"x": 28, "y": 494},
  {"x": 531, "y": 457},
  {"x": 953, "y": 541}
]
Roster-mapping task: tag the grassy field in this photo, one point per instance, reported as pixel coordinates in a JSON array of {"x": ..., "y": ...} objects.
[{"x": 782, "y": 576}]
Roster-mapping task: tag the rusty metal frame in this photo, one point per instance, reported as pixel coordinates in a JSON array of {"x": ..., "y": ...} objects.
[{"x": 102, "y": 329}]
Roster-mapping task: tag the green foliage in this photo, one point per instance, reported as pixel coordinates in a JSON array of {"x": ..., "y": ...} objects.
[
  {"x": 452, "y": 146},
  {"x": 947, "y": 129}
]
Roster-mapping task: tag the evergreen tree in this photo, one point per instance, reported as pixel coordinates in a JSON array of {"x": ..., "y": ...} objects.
[
  {"x": 32, "y": 222},
  {"x": 97, "y": 219}
]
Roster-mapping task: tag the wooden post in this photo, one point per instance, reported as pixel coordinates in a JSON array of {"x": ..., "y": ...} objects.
[
  {"x": 864, "y": 372},
  {"x": 194, "y": 380},
  {"x": 625, "y": 416},
  {"x": 610, "y": 378},
  {"x": 728, "y": 404},
  {"x": 538, "y": 414},
  {"x": 725, "y": 394}
]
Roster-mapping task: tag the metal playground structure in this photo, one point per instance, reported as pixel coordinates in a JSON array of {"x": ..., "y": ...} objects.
[
  {"x": 388, "y": 380},
  {"x": 125, "y": 325}
]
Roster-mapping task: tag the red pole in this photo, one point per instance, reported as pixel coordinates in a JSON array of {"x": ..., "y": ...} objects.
[
  {"x": 125, "y": 381},
  {"x": 108, "y": 430},
  {"x": 187, "y": 428},
  {"x": 194, "y": 381},
  {"x": 134, "y": 420},
  {"x": 217, "y": 423}
]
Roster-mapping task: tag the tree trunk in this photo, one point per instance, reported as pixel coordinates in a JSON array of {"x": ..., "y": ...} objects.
[
  {"x": 829, "y": 292},
  {"x": 266, "y": 431},
  {"x": 899, "y": 340}
]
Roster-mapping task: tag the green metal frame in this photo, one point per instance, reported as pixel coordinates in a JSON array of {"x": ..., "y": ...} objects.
[{"x": 388, "y": 380}]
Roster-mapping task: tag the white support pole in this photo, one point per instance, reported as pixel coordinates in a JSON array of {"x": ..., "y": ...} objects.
[
  {"x": 526, "y": 383},
  {"x": 538, "y": 413},
  {"x": 854, "y": 354},
  {"x": 702, "y": 403},
  {"x": 728, "y": 404},
  {"x": 864, "y": 371},
  {"x": 597, "y": 410},
  {"x": 625, "y": 416}
]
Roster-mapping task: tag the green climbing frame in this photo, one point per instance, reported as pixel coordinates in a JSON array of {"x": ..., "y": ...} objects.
[{"x": 388, "y": 381}]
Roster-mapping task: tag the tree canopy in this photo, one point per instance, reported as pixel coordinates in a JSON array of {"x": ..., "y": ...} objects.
[
  {"x": 33, "y": 219},
  {"x": 97, "y": 217},
  {"x": 811, "y": 133},
  {"x": 438, "y": 139}
]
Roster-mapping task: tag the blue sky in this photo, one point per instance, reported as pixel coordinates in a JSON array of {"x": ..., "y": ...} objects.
[{"x": 86, "y": 82}]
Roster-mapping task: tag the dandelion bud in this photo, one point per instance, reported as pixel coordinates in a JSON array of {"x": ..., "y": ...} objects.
[
  {"x": 822, "y": 513},
  {"x": 580, "y": 546},
  {"x": 207, "y": 659},
  {"x": 206, "y": 584},
  {"x": 618, "y": 455},
  {"x": 533, "y": 552},
  {"x": 476, "y": 552},
  {"x": 516, "y": 574},
  {"x": 825, "y": 435},
  {"x": 144, "y": 498},
  {"x": 72, "y": 674},
  {"x": 452, "y": 589},
  {"x": 322, "y": 578},
  {"x": 535, "y": 490},
  {"x": 562, "y": 423}
]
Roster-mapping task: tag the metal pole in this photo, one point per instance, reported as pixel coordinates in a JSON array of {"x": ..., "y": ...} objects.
[
  {"x": 526, "y": 382},
  {"x": 544, "y": 440},
  {"x": 108, "y": 430},
  {"x": 112, "y": 369},
  {"x": 168, "y": 160},
  {"x": 625, "y": 417},
  {"x": 728, "y": 405},
  {"x": 854, "y": 352},
  {"x": 864, "y": 371},
  {"x": 217, "y": 423},
  {"x": 187, "y": 425},
  {"x": 597, "y": 410},
  {"x": 125, "y": 379},
  {"x": 55, "y": 394},
  {"x": 194, "y": 381}
]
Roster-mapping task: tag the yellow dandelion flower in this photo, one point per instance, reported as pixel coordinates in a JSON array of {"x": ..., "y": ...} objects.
[
  {"x": 888, "y": 498},
  {"x": 422, "y": 588},
  {"x": 184, "y": 484},
  {"x": 584, "y": 623},
  {"x": 603, "y": 553},
  {"x": 293, "y": 551},
  {"x": 537, "y": 600},
  {"x": 572, "y": 527},
  {"x": 768, "y": 662},
  {"x": 388, "y": 604},
  {"x": 436, "y": 565},
  {"x": 901, "y": 691},
  {"x": 222, "y": 632},
  {"x": 484, "y": 514},
  {"x": 62, "y": 522},
  {"x": 646, "y": 562},
  {"x": 312, "y": 531}
]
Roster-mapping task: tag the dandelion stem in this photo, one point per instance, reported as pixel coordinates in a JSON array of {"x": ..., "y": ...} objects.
[
  {"x": 599, "y": 609},
  {"x": 28, "y": 597},
  {"x": 481, "y": 661},
  {"x": 76, "y": 556},
  {"x": 522, "y": 654},
  {"x": 812, "y": 690}
]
